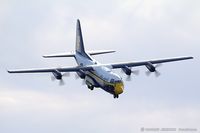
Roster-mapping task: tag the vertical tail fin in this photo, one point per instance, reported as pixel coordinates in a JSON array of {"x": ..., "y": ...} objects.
[{"x": 79, "y": 39}]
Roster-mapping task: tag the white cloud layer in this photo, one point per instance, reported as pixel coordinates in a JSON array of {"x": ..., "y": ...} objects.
[{"x": 33, "y": 108}]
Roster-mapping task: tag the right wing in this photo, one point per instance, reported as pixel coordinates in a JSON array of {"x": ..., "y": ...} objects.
[
  {"x": 46, "y": 70},
  {"x": 143, "y": 63}
]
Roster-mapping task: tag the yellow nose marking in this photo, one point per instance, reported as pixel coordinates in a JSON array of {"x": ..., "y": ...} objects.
[{"x": 119, "y": 87}]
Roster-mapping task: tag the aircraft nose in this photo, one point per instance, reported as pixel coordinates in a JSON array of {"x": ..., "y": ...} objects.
[{"x": 119, "y": 87}]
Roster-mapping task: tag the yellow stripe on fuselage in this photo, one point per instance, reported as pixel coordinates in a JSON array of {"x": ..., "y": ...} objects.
[{"x": 118, "y": 87}]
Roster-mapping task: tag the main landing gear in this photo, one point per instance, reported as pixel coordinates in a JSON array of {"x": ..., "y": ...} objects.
[{"x": 91, "y": 87}]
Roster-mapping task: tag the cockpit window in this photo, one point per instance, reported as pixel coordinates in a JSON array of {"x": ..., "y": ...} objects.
[
  {"x": 112, "y": 80},
  {"x": 118, "y": 81}
]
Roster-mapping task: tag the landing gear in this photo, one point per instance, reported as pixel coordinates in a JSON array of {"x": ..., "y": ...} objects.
[
  {"x": 116, "y": 96},
  {"x": 91, "y": 87}
]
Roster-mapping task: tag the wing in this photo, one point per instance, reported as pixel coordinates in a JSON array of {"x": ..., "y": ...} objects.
[
  {"x": 46, "y": 70},
  {"x": 89, "y": 68},
  {"x": 142, "y": 63}
]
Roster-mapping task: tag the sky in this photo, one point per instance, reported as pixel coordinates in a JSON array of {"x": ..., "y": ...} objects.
[{"x": 137, "y": 29}]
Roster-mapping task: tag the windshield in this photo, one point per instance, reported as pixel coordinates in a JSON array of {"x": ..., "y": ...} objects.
[
  {"x": 118, "y": 81},
  {"x": 115, "y": 81}
]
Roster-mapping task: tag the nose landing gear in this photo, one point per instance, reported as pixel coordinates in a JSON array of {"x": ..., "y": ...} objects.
[{"x": 116, "y": 96}]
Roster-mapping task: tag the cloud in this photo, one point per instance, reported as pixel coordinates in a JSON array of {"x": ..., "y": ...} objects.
[
  {"x": 27, "y": 100},
  {"x": 53, "y": 110}
]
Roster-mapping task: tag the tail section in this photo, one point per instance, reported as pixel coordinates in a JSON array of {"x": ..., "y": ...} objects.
[
  {"x": 79, "y": 47},
  {"x": 79, "y": 39}
]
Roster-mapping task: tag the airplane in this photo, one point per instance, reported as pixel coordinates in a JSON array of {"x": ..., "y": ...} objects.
[{"x": 95, "y": 74}]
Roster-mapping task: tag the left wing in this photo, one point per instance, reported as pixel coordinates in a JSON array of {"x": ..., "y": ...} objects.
[
  {"x": 143, "y": 63},
  {"x": 45, "y": 70}
]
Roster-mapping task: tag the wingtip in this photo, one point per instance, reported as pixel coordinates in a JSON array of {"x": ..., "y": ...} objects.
[
  {"x": 8, "y": 71},
  {"x": 46, "y": 56},
  {"x": 190, "y": 57}
]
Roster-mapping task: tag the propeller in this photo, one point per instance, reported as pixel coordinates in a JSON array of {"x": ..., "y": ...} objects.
[
  {"x": 67, "y": 74},
  {"x": 53, "y": 78},
  {"x": 128, "y": 78},
  {"x": 61, "y": 82},
  {"x": 135, "y": 72},
  {"x": 60, "y": 78},
  {"x": 83, "y": 82},
  {"x": 128, "y": 71},
  {"x": 156, "y": 72},
  {"x": 76, "y": 76}
]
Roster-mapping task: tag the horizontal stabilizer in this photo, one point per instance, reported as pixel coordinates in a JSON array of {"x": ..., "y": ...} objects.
[
  {"x": 97, "y": 52},
  {"x": 69, "y": 54},
  {"x": 72, "y": 54}
]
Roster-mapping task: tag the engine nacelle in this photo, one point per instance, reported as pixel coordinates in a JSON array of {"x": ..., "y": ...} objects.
[
  {"x": 57, "y": 74},
  {"x": 126, "y": 70},
  {"x": 150, "y": 67},
  {"x": 81, "y": 74}
]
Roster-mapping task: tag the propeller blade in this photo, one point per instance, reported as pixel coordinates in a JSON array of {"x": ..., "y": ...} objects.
[
  {"x": 61, "y": 82},
  {"x": 53, "y": 78},
  {"x": 76, "y": 76},
  {"x": 148, "y": 73},
  {"x": 158, "y": 65},
  {"x": 157, "y": 73},
  {"x": 83, "y": 82},
  {"x": 66, "y": 74},
  {"x": 121, "y": 71},
  {"x": 128, "y": 78},
  {"x": 136, "y": 72}
]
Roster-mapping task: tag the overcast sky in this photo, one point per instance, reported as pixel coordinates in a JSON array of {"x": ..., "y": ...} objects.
[{"x": 137, "y": 29}]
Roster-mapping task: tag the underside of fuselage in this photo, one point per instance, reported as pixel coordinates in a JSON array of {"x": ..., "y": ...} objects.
[
  {"x": 113, "y": 88},
  {"x": 99, "y": 78},
  {"x": 94, "y": 80}
]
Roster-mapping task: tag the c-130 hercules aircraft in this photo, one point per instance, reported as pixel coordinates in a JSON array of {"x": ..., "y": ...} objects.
[{"x": 96, "y": 74}]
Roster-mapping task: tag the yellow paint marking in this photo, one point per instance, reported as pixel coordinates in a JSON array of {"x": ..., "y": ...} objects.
[{"x": 119, "y": 87}]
